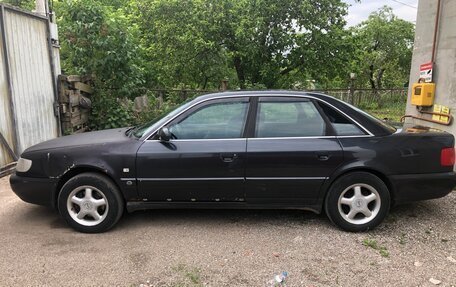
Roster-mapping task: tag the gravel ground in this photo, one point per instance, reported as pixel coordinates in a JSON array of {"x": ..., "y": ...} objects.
[{"x": 415, "y": 245}]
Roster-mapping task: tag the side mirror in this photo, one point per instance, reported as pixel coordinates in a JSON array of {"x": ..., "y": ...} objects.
[{"x": 164, "y": 134}]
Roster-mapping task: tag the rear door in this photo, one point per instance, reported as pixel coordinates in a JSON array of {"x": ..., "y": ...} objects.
[{"x": 291, "y": 152}]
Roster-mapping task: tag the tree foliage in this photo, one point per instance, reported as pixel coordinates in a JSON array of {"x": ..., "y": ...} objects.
[
  {"x": 383, "y": 50},
  {"x": 24, "y": 4},
  {"x": 101, "y": 41},
  {"x": 133, "y": 46},
  {"x": 261, "y": 42}
]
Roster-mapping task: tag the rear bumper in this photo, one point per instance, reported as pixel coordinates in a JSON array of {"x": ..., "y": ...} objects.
[
  {"x": 413, "y": 187},
  {"x": 39, "y": 191}
]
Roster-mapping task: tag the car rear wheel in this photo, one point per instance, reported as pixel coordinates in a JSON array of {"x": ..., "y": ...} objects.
[
  {"x": 358, "y": 201},
  {"x": 90, "y": 203}
]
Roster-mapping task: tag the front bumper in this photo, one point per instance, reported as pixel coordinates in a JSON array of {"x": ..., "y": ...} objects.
[
  {"x": 39, "y": 191},
  {"x": 413, "y": 187}
]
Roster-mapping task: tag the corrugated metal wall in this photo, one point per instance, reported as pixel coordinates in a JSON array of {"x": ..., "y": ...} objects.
[
  {"x": 5, "y": 114},
  {"x": 31, "y": 79}
]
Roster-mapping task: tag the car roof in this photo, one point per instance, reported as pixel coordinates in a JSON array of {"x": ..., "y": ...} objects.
[
  {"x": 373, "y": 125},
  {"x": 262, "y": 93}
]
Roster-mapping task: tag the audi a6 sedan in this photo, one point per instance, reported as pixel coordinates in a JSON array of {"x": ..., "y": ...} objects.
[{"x": 265, "y": 150}]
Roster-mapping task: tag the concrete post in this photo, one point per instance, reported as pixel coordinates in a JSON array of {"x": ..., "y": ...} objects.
[
  {"x": 40, "y": 7},
  {"x": 444, "y": 72}
]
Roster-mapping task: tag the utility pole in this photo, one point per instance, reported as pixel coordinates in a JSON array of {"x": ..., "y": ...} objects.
[
  {"x": 41, "y": 7},
  {"x": 352, "y": 88},
  {"x": 224, "y": 85}
]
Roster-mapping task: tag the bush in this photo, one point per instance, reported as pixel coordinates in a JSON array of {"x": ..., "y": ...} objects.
[{"x": 109, "y": 112}]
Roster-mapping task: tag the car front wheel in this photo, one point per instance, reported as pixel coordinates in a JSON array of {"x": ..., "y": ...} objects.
[
  {"x": 357, "y": 201},
  {"x": 90, "y": 203}
]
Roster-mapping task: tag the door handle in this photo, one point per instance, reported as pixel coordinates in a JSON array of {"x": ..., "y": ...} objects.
[
  {"x": 323, "y": 157},
  {"x": 228, "y": 157}
]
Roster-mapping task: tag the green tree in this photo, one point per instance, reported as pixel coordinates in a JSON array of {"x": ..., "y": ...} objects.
[
  {"x": 182, "y": 44},
  {"x": 133, "y": 46},
  {"x": 383, "y": 53},
  {"x": 99, "y": 40},
  {"x": 267, "y": 43}
]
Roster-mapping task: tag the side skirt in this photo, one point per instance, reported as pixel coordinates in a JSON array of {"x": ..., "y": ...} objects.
[{"x": 140, "y": 205}]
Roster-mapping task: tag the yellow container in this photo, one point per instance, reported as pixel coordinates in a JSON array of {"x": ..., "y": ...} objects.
[{"x": 423, "y": 94}]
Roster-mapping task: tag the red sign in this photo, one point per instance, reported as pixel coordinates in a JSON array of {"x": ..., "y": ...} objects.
[{"x": 426, "y": 72}]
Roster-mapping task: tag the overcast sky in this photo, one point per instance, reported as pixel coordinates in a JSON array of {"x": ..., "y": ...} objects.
[{"x": 359, "y": 12}]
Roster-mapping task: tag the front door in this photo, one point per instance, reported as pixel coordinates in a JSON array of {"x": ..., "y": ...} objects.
[
  {"x": 291, "y": 152},
  {"x": 205, "y": 160}
]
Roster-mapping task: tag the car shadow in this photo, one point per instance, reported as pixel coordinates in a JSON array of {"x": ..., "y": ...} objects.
[
  {"x": 34, "y": 215},
  {"x": 38, "y": 215},
  {"x": 420, "y": 210},
  {"x": 178, "y": 217},
  {"x": 399, "y": 215}
]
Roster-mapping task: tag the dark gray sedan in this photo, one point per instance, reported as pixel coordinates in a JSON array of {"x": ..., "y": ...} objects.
[{"x": 269, "y": 149}]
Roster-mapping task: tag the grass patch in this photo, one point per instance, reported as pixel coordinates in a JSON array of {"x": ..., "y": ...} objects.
[
  {"x": 393, "y": 114},
  {"x": 191, "y": 276},
  {"x": 372, "y": 243},
  {"x": 402, "y": 239}
]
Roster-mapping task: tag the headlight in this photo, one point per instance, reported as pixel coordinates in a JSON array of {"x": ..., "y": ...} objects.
[{"x": 23, "y": 165}]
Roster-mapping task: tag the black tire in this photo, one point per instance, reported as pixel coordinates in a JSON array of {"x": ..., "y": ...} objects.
[
  {"x": 370, "y": 186},
  {"x": 103, "y": 192}
]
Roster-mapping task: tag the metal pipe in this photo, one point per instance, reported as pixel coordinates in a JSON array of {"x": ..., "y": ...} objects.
[
  {"x": 7, "y": 146},
  {"x": 7, "y": 169},
  {"x": 436, "y": 28},
  {"x": 435, "y": 114},
  {"x": 450, "y": 118},
  {"x": 56, "y": 105}
]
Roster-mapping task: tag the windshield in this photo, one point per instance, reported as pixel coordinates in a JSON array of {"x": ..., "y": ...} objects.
[{"x": 154, "y": 124}]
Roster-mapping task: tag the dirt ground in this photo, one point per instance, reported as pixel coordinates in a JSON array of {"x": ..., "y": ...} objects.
[{"x": 227, "y": 248}]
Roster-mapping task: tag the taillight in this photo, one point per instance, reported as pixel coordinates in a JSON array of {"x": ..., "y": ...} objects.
[{"x": 447, "y": 157}]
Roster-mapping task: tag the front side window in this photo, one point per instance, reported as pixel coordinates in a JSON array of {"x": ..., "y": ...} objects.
[
  {"x": 143, "y": 129},
  {"x": 214, "y": 121},
  {"x": 342, "y": 125},
  {"x": 288, "y": 119}
]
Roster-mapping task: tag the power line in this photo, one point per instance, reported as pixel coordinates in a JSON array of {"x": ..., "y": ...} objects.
[{"x": 406, "y": 4}]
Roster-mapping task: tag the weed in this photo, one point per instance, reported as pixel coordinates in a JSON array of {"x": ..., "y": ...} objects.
[
  {"x": 384, "y": 252},
  {"x": 402, "y": 239},
  {"x": 372, "y": 243},
  {"x": 191, "y": 276}
]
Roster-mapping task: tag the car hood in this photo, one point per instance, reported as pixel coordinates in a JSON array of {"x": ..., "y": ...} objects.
[{"x": 83, "y": 139}]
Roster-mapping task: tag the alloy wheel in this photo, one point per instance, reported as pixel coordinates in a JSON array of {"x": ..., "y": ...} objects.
[
  {"x": 359, "y": 203},
  {"x": 87, "y": 205}
]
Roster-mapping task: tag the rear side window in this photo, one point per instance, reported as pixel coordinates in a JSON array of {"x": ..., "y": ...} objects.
[
  {"x": 288, "y": 119},
  {"x": 342, "y": 125}
]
